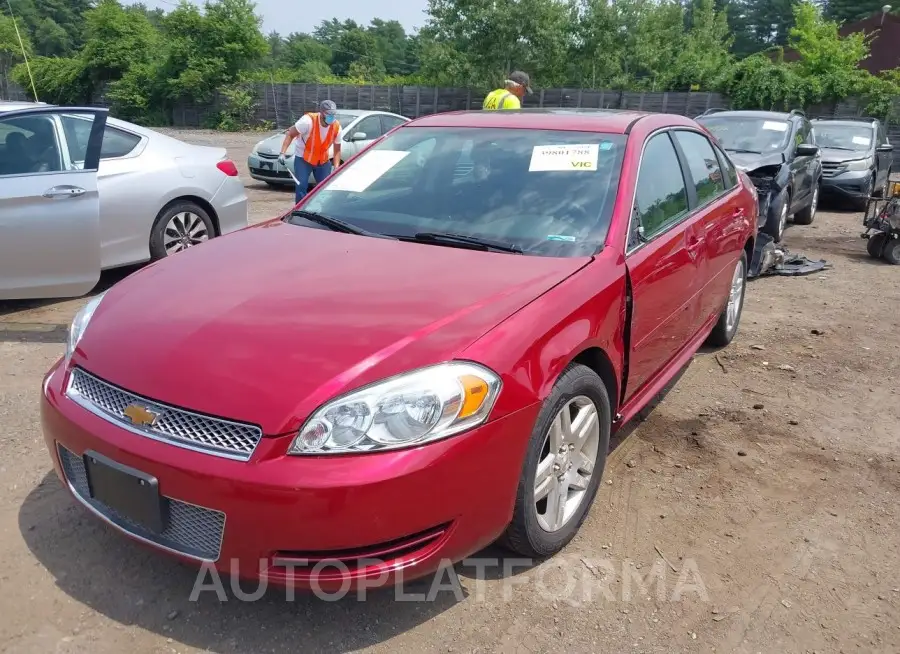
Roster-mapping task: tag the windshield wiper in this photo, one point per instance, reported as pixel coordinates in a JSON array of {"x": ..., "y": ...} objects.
[
  {"x": 838, "y": 147},
  {"x": 742, "y": 151},
  {"x": 462, "y": 239},
  {"x": 334, "y": 224}
]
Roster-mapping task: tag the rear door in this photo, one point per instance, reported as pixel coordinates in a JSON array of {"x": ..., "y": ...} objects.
[
  {"x": 665, "y": 255},
  {"x": 884, "y": 159},
  {"x": 802, "y": 167},
  {"x": 49, "y": 204},
  {"x": 719, "y": 213}
]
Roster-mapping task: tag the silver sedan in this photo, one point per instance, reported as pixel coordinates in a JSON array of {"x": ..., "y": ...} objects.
[
  {"x": 358, "y": 129},
  {"x": 82, "y": 192}
]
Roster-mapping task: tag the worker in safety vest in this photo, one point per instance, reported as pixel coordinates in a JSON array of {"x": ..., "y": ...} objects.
[
  {"x": 517, "y": 85},
  {"x": 315, "y": 133}
]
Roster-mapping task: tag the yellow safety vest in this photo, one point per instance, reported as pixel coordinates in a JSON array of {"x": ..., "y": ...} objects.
[{"x": 501, "y": 99}]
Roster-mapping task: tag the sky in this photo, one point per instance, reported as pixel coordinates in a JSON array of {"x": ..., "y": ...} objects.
[{"x": 286, "y": 16}]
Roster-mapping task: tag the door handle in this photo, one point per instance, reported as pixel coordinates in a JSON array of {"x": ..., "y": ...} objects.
[{"x": 63, "y": 192}]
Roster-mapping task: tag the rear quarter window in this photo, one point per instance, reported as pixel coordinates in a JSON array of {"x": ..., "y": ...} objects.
[{"x": 117, "y": 143}]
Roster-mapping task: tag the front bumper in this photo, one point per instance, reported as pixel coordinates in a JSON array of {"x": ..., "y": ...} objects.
[
  {"x": 269, "y": 170},
  {"x": 308, "y": 522},
  {"x": 850, "y": 184}
]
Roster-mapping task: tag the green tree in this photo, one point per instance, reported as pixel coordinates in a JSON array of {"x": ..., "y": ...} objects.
[
  {"x": 116, "y": 40},
  {"x": 704, "y": 59},
  {"x": 851, "y": 10},
  {"x": 10, "y": 51},
  {"x": 55, "y": 26}
]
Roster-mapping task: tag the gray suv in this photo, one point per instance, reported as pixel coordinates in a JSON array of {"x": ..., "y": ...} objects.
[{"x": 856, "y": 157}]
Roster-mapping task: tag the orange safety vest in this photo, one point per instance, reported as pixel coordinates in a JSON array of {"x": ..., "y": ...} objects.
[{"x": 316, "y": 150}]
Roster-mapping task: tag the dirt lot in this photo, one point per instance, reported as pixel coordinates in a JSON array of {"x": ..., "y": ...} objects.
[{"x": 764, "y": 488}]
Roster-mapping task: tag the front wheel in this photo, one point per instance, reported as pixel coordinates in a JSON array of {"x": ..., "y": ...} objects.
[
  {"x": 891, "y": 252},
  {"x": 875, "y": 244},
  {"x": 778, "y": 217},
  {"x": 563, "y": 465},
  {"x": 726, "y": 329},
  {"x": 808, "y": 214}
]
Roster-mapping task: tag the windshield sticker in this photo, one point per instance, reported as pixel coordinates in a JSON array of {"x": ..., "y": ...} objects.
[
  {"x": 775, "y": 126},
  {"x": 606, "y": 145},
  {"x": 861, "y": 140},
  {"x": 546, "y": 158},
  {"x": 560, "y": 237},
  {"x": 366, "y": 170}
]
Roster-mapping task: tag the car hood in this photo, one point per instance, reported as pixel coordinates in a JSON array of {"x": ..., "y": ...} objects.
[
  {"x": 271, "y": 145},
  {"x": 266, "y": 324},
  {"x": 831, "y": 155},
  {"x": 748, "y": 162}
]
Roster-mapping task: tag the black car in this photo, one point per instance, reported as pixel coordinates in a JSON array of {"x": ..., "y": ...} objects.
[
  {"x": 856, "y": 157},
  {"x": 778, "y": 153}
]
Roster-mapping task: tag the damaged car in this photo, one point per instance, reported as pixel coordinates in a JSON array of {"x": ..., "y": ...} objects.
[
  {"x": 856, "y": 158},
  {"x": 778, "y": 152}
]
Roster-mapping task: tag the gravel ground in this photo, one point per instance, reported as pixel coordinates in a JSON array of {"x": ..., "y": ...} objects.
[{"x": 762, "y": 491}]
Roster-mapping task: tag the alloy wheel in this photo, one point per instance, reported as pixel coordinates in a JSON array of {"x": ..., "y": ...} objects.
[
  {"x": 184, "y": 230},
  {"x": 735, "y": 297},
  {"x": 566, "y": 463}
]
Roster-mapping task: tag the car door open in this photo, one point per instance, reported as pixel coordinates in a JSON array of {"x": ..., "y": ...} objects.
[{"x": 49, "y": 204}]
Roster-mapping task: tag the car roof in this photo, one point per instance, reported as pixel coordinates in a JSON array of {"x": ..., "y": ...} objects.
[
  {"x": 617, "y": 121},
  {"x": 14, "y": 105},
  {"x": 847, "y": 121},
  {"x": 773, "y": 115}
]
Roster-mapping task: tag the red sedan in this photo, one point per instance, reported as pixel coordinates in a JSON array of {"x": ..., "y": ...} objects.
[{"x": 427, "y": 355}]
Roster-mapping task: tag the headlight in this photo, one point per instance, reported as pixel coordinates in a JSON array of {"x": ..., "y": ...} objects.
[
  {"x": 860, "y": 164},
  {"x": 411, "y": 409},
  {"x": 80, "y": 323}
]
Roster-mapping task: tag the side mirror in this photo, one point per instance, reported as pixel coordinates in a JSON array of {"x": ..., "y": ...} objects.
[
  {"x": 887, "y": 147},
  {"x": 807, "y": 150},
  {"x": 358, "y": 136}
]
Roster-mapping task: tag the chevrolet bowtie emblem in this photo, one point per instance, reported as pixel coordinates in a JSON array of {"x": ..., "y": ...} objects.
[{"x": 139, "y": 415}]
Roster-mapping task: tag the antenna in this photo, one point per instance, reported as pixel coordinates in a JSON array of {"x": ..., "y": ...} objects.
[{"x": 22, "y": 46}]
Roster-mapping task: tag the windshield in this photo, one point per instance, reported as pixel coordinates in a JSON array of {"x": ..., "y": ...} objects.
[
  {"x": 748, "y": 133},
  {"x": 844, "y": 137},
  {"x": 545, "y": 192}
]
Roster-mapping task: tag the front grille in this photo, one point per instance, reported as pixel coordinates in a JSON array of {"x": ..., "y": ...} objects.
[
  {"x": 833, "y": 168},
  {"x": 271, "y": 173},
  {"x": 191, "y": 530},
  {"x": 216, "y": 436},
  {"x": 266, "y": 155}
]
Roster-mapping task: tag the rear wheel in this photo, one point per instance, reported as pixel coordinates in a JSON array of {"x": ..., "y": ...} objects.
[
  {"x": 875, "y": 244},
  {"x": 563, "y": 465},
  {"x": 178, "y": 227},
  {"x": 891, "y": 252},
  {"x": 724, "y": 331},
  {"x": 808, "y": 214}
]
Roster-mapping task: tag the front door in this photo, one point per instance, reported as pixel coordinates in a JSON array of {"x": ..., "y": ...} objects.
[
  {"x": 49, "y": 204},
  {"x": 802, "y": 168},
  {"x": 666, "y": 259}
]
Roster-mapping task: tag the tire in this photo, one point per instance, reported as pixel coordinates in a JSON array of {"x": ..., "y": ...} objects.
[
  {"x": 727, "y": 326},
  {"x": 778, "y": 217},
  {"x": 861, "y": 204},
  {"x": 527, "y": 533},
  {"x": 808, "y": 214},
  {"x": 891, "y": 252},
  {"x": 180, "y": 220},
  {"x": 875, "y": 244}
]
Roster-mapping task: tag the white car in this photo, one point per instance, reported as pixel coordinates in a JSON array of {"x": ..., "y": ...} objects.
[
  {"x": 358, "y": 129},
  {"x": 64, "y": 216}
]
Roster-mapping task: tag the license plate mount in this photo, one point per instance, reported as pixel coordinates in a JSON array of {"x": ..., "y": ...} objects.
[{"x": 129, "y": 492}]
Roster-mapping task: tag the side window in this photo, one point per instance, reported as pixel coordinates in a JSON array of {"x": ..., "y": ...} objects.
[
  {"x": 661, "y": 196},
  {"x": 29, "y": 144},
  {"x": 729, "y": 172},
  {"x": 390, "y": 122},
  {"x": 703, "y": 164},
  {"x": 117, "y": 143},
  {"x": 370, "y": 126}
]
